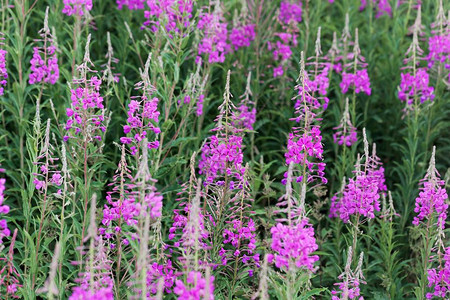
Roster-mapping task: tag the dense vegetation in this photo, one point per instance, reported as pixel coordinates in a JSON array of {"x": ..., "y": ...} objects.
[{"x": 234, "y": 149}]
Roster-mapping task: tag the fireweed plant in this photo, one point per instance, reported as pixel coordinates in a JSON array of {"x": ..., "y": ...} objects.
[{"x": 129, "y": 170}]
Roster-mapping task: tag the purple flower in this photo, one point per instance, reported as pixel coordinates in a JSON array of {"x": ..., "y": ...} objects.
[
  {"x": 278, "y": 71},
  {"x": 172, "y": 15},
  {"x": 222, "y": 155},
  {"x": 345, "y": 132},
  {"x": 432, "y": 197},
  {"x": 281, "y": 50},
  {"x": 131, "y": 4},
  {"x": 318, "y": 86},
  {"x": 143, "y": 117},
  {"x": 290, "y": 12},
  {"x": 214, "y": 42},
  {"x": 439, "y": 279},
  {"x": 200, "y": 101},
  {"x": 360, "y": 196},
  {"x": 304, "y": 149},
  {"x": 190, "y": 220},
  {"x": 3, "y": 71},
  {"x": 418, "y": 85},
  {"x": 86, "y": 113},
  {"x": 293, "y": 245},
  {"x": 156, "y": 271},
  {"x": 95, "y": 282},
  {"x": 246, "y": 117},
  {"x": 242, "y": 36},
  {"x": 382, "y": 7},
  {"x": 349, "y": 288},
  {"x": 439, "y": 50},
  {"x": 195, "y": 287},
  {"x": 359, "y": 81},
  {"x": 4, "y": 209},
  {"x": 242, "y": 237},
  {"x": 102, "y": 294},
  {"x": 41, "y": 70},
  {"x": 76, "y": 7},
  {"x": 122, "y": 211}
]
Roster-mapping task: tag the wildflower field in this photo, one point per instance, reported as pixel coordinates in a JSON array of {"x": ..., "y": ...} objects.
[{"x": 224, "y": 149}]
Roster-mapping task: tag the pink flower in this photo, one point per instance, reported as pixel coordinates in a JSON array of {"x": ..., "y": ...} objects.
[
  {"x": 131, "y": 4},
  {"x": 417, "y": 85},
  {"x": 439, "y": 279},
  {"x": 432, "y": 197},
  {"x": 382, "y": 7},
  {"x": 359, "y": 81},
  {"x": 214, "y": 42},
  {"x": 3, "y": 71},
  {"x": 195, "y": 287},
  {"x": 76, "y": 7},
  {"x": 4, "y": 209},
  {"x": 242, "y": 36},
  {"x": 290, "y": 12},
  {"x": 220, "y": 156},
  {"x": 293, "y": 245}
]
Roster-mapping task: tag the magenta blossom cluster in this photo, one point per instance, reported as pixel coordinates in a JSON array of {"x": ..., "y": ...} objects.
[
  {"x": 293, "y": 246},
  {"x": 312, "y": 87},
  {"x": 222, "y": 156},
  {"x": 3, "y": 71},
  {"x": 243, "y": 240},
  {"x": 305, "y": 149},
  {"x": 418, "y": 85},
  {"x": 214, "y": 42},
  {"x": 242, "y": 36},
  {"x": 41, "y": 70},
  {"x": 359, "y": 81},
  {"x": 156, "y": 271},
  {"x": 432, "y": 197},
  {"x": 245, "y": 116},
  {"x": 345, "y": 133},
  {"x": 76, "y": 7},
  {"x": 4, "y": 209},
  {"x": 195, "y": 287},
  {"x": 173, "y": 15},
  {"x": 281, "y": 50},
  {"x": 439, "y": 50},
  {"x": 86, "y": 112},
  {"x": 9, "y": 277},
  {"x": 48, "y": 176},
  {"x": 439, "y": 279},
  {"x": 360, "y": 197},
  {"x": 143, "y": 118},
  {"x": 361, "y": 194},
  {"x": 44, "y": 63},
  {"x": 95, "y": 282},
  {"x": 190, "y": 221},
  {"x": 350, "y": 288},
  {"x": 121, "y": 215},
  {"x": 290, "y": 12},
  {"x": 199, "y": 108},
  {"x": 131, "y": 4},
  {"x": 382, "y": 7},
  {"x": 102, "y": 294},
  {"x": 123, "y": 208}
]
